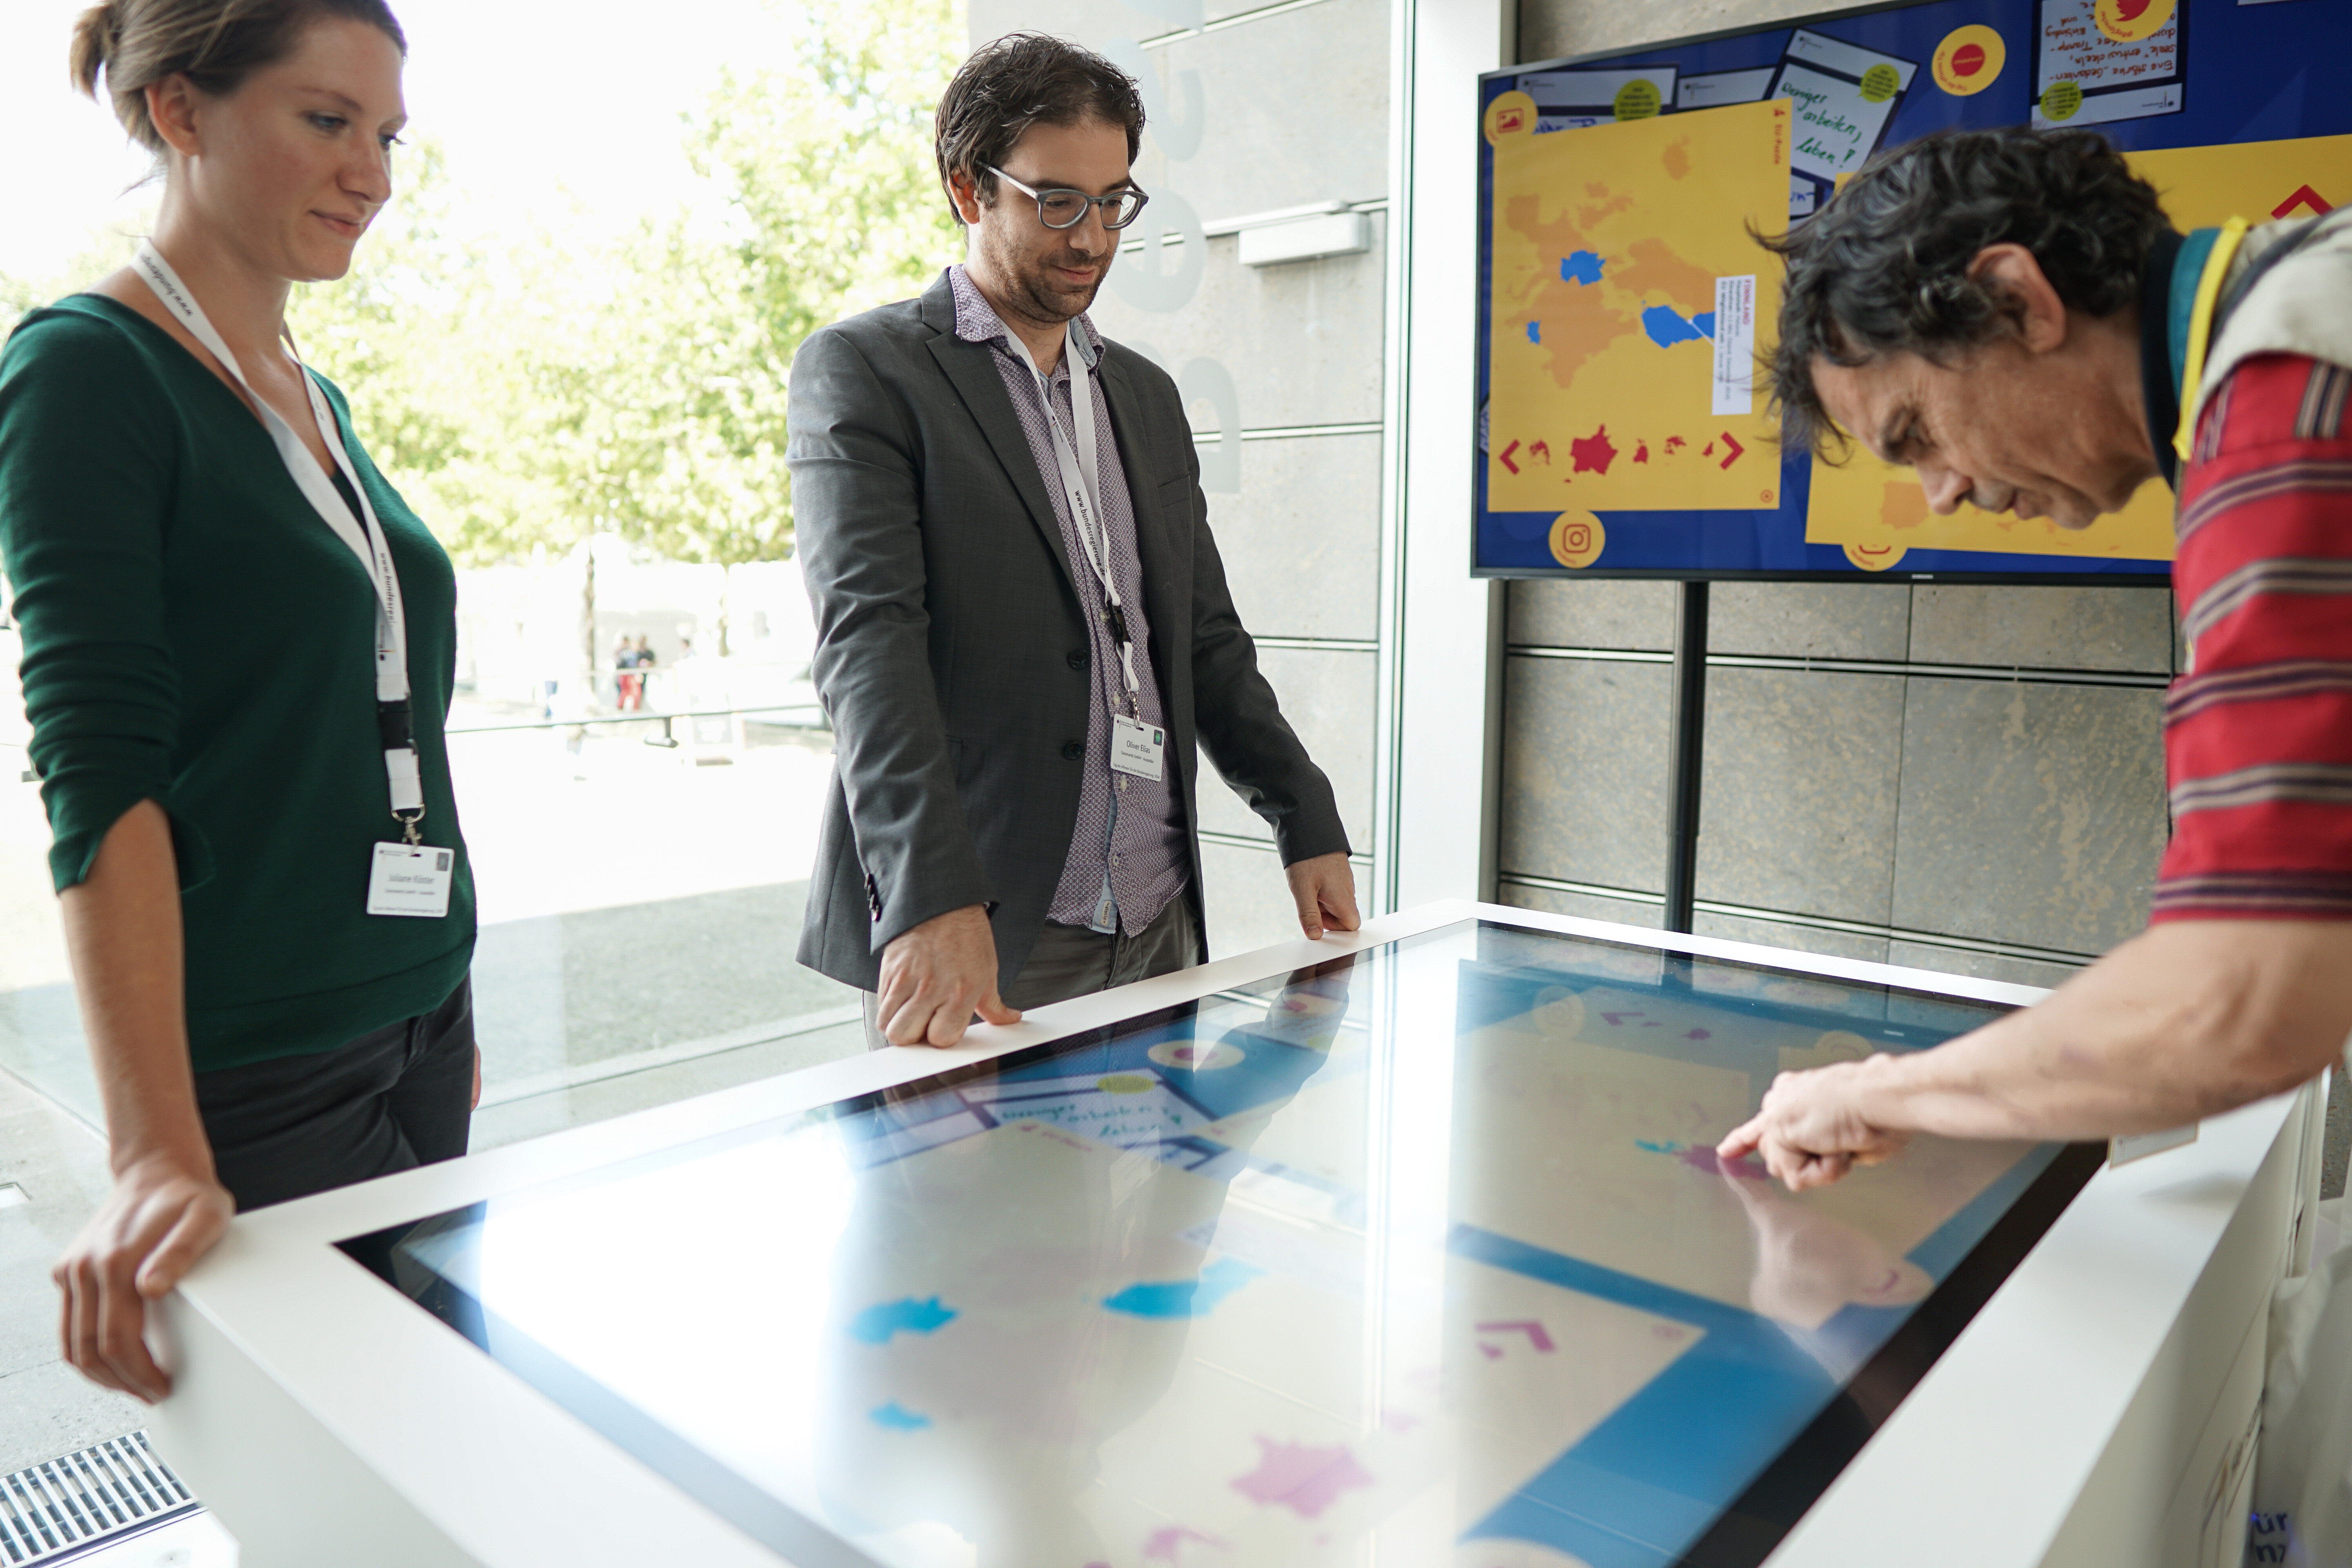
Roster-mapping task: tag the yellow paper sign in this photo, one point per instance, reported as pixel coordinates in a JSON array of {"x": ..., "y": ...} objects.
[{"x": 1616, "y": 246}]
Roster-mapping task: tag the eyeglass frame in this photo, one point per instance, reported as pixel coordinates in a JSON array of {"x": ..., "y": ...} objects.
[{"x": 1097, "y": 203}]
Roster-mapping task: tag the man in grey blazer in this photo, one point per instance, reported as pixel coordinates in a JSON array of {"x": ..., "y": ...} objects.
[{"x": 1023, "y": 625}]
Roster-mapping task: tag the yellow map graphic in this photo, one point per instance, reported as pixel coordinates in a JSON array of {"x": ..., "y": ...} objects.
[
  {"x": 1878, "y": 510},
  {"x": 1608, "y": 243}
]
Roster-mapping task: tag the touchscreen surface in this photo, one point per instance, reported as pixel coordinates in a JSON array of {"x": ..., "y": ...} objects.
[{"x": 1419, "y": 1257}]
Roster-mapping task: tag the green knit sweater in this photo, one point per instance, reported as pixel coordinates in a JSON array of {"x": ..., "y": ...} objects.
[{"x": 196, "y": 634}]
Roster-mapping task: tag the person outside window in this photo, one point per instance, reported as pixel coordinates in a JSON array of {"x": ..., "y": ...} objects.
[
  {"x": 624, "y": 681},
  {"x": 238, "y": 645},
  {"x": 2011, "y": 314},
  {"x": 645, "y": 663}
]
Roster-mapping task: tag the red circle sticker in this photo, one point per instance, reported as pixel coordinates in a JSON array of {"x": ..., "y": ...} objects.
[
  {"x": 1969, "y": 60},
  {"x": 2131, "y": 21}
]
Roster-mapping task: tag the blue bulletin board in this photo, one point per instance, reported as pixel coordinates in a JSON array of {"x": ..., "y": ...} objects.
[{"x": 1621, "y": 428}]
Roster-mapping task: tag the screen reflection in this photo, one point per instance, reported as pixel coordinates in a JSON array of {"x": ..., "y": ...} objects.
[{"x": 1421, "y": 1255}]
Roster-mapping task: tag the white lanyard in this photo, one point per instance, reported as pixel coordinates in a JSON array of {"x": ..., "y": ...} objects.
[
  {"x": 363, "y": 535},
  {"x": 1082, "y": 485}
]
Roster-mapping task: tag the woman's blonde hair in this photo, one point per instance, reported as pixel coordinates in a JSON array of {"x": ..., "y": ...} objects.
[{"x": 216, "y": 44}]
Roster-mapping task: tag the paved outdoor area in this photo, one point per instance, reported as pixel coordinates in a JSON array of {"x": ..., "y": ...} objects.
[{"x": 57, "y": 1163}]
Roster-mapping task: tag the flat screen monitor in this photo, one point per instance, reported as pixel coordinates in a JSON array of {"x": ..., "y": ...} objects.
[
  {"x": 1422, "y": 1256},
  {"x": 1620, "y": 429}
]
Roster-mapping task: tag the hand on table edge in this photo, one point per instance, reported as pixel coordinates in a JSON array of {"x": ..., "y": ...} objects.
[
  {"x": 166, "y": 1210},
  {"x": 935, "y": 975},
  {"x": 1323, "y": 887}
]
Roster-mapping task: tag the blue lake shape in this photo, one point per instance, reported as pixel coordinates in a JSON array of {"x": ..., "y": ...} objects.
[
  {"x": 1535, "y": 332},
  {"x": 1184, "y": 1298},
  {"x": 1581, "y": 266},
  {"x": 875, "y": 1325},
  {"x": 896, "y": 1417},
  {"x": 1667, "y": 328},
  {"x": 1705, "y": 323}
]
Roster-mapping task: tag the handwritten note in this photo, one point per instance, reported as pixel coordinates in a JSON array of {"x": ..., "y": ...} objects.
[
  {"x": 2082, "y": 77},
  {"x": 1845, "y": 96}
]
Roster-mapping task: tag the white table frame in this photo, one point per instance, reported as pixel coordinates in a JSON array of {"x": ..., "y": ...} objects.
[{"x": 2098, "y": 1410}]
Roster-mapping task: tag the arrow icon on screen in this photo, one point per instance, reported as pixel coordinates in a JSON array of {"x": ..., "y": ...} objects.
[
  {"x": 1536, "y": 1337},
  {"x": 2304, "y": 196},
  {"x": 1736, "y": 449},
  {"x": 1504, "y": 456}
]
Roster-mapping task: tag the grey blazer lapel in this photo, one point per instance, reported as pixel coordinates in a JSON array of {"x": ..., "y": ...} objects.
[
  {"x": 971, "y": 369},
  {"x": 1163, "y": 544}
]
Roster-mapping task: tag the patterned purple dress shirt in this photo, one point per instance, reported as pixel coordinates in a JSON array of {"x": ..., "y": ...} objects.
[{"x": 1129, "y": 846}]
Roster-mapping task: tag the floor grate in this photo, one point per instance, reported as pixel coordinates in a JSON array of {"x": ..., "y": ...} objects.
[{"x": 55, "y": 1511}]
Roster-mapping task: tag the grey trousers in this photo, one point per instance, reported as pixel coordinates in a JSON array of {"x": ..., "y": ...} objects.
[
  {"x": 1071, "y": 961},
  {"x": 392, "y": 1099}
]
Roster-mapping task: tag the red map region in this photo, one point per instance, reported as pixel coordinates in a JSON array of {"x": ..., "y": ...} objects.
[
  {"x": 1541, "y": 450},
  {"x": 1642, "y": 453},
  {"x": 1593, "y": 454},
  {"x": 1675, "y": 443},
  {"x": 1301, "y": 1477}
]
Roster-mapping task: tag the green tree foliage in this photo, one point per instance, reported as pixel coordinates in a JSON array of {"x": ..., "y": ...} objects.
[
  {"x": 21, "y": 296},
  {"x": 531, "y": 390}
]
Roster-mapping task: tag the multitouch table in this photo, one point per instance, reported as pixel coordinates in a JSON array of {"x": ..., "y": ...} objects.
[{"x": 1412, "y": 1254}]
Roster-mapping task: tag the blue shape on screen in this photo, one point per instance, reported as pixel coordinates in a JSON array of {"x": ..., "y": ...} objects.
[
  {"x": 1535, "y": 332},
  {"x": 1705, "y": 323},
  {"x": 1583, "y": 267},
  {"x": 875, "y": 1325},
  {"x": 1184, "y": 1298},
  {"x": 1667, "y": 328},
  {"x": 897, "y": 1417}
]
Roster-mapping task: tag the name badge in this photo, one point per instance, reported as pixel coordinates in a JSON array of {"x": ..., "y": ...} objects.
[
  {"x": 1136, "y": 747},
  {"x": 411, "y": 879}
]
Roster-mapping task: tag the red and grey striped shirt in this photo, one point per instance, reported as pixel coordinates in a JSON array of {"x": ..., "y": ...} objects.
[{"x": 2258, "y": 737}]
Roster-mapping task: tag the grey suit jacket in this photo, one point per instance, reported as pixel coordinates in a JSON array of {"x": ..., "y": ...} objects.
[{"x": 952, "y": 654}]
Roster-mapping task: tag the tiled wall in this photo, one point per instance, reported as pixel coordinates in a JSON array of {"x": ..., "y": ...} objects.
[
  {"x": 1302, "y": 344},
  {"x": 1964, "y": 779}
]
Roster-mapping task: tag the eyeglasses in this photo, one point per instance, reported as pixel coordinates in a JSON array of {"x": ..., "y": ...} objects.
[{"x": 1058, "y": 207}]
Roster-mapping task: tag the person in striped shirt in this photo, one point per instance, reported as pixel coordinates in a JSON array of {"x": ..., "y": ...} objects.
[{"x": 2011, "y": 313}]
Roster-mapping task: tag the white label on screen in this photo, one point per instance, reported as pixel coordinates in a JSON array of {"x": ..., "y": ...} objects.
[{"x": 1735, "y": 345}]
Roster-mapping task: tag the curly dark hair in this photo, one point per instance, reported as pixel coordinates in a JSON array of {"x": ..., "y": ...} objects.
[
  {"x": 1022, "y": 80},
  {"x": 1883, "y": 268}
]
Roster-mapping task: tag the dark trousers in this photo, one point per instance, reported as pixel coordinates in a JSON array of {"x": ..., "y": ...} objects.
[
  {"x": 1071, "y": 961},
  {"x": 392, "y": 1099}
]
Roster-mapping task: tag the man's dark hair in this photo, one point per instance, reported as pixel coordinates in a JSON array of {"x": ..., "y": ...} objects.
[
  {"x": 1883, "y": 268},
  {"x": 1022, "y": 80}
]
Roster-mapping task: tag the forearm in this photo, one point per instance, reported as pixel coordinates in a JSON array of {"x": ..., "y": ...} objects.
[
  {"x": 2185, "y": 1021},
  {"x": 123, "y": 934}
]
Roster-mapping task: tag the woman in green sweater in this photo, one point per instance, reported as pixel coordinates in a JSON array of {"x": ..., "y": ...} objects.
[{"x": 237, "y": 650}]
